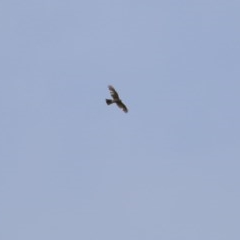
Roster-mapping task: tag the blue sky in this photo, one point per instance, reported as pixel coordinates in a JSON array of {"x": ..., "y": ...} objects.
[{"x": 72, "y": 167}]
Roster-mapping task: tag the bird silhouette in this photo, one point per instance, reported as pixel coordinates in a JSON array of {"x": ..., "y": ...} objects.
[{"x": 116, "y": 99}]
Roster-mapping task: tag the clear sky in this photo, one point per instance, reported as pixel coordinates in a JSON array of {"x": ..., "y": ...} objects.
[{"x": 72, "y": 167}]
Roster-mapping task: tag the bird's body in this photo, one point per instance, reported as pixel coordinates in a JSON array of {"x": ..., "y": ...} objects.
[{"x": 116, "y": 99}]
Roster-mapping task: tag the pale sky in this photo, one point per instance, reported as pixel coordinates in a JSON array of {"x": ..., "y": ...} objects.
[{"x": 72, "y": 167}]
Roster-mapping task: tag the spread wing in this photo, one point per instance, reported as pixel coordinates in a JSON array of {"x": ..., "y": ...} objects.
[
  {"x": 122, "y": 106},
  {"x": 113, "y": 93}
]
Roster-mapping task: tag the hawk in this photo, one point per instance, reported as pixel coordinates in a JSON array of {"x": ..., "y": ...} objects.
[{"x": 116, "y": 99}]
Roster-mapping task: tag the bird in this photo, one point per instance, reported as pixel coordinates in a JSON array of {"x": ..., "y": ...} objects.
[{"x": 116, "y": 99}]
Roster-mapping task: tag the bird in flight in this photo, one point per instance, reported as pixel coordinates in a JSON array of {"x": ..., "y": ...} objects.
[{"x": 116, "y": 99}]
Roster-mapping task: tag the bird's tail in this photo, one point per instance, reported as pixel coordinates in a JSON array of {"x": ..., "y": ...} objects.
[{"x": 109, "y": 101}]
